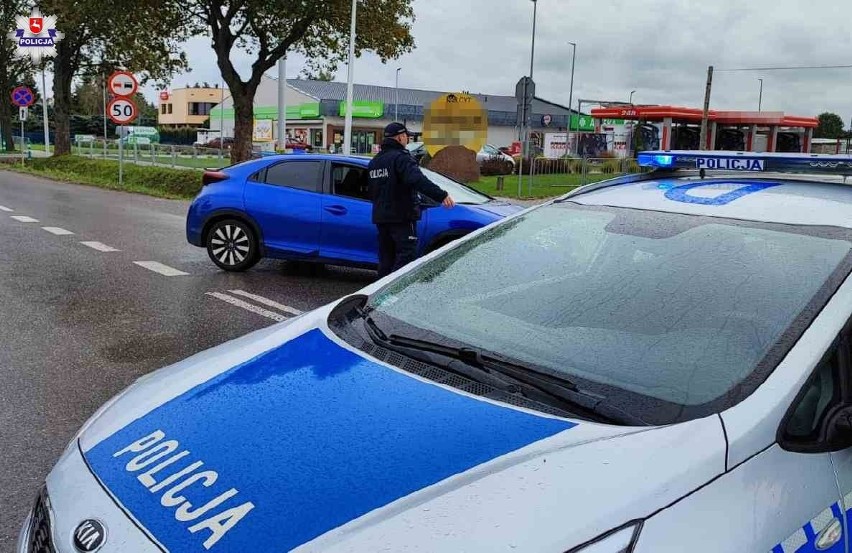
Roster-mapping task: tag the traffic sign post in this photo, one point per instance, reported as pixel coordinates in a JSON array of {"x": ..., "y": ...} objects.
[
  {"x": 123, "y": 84},
  {"x": 22, "y": 96},
  {"x": 121, "y": 111}
]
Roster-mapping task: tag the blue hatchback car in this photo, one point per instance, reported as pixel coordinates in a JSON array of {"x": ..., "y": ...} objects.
[{"x": 315, "y": 208}]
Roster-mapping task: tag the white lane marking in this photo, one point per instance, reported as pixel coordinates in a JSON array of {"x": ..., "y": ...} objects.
[
  {"x": 101, "y": 247},
  {"x": 23, "y": 218},
  {"x": 267, "y": 302},
  {"x": 157, "y": 267},
  {"x": 247, "y": 306},
  {"x": 57, "y": 231},
  {"x": 4, "y": 208}
]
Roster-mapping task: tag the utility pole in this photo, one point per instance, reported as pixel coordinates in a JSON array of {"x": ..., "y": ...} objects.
[
  {"x": 282, "y": 104},
  {"x": 347, "y": 124},
  {"x": 705, "y": 117},
  {"x": 760, "y": 97}
]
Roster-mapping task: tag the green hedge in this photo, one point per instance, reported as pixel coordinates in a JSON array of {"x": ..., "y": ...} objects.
[{"x": 154, "y": 181}]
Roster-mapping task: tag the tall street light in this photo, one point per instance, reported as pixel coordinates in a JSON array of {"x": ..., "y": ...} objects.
[
  {"x": 347, "y": 128},
  {"x": 630, "y": 101},
  {"x": 396, "y": 109},
  {"x": 760, "y": 98},
  {"x": 528, "y": 120},
  {"x": 571, "y": 90}
]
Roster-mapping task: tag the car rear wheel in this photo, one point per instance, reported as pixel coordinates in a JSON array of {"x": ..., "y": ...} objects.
[{"x": 232, "y": 245}]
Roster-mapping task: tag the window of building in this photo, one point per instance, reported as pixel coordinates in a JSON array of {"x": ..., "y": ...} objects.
[
  {"x": 170, "y": 109},
  {"x": 163, "y": 109},
  {"x": 200, "y": 108}
]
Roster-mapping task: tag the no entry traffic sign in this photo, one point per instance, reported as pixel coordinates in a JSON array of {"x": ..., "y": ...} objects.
[
  {"x": 122, "y": 111},
  {"x": 22, "y": 96},
  {"x": 122, "y": 83}
]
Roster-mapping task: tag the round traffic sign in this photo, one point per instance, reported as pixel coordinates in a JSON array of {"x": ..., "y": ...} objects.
[
  {"x": 122, "y": 111},
  {"x": 22, "y": 96},
  {"x": 122, "y": 83}
]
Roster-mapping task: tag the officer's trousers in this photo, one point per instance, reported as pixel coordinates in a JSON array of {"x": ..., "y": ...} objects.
[{"x": 397, "y": 246}]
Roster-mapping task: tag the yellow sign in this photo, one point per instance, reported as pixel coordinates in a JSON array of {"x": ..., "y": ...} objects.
[
  {"x": 455, "y": 119},
  {"x": 263, "y": 130}
]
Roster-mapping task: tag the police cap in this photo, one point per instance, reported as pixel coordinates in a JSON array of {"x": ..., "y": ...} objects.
[{"x": 395, "y": 129}]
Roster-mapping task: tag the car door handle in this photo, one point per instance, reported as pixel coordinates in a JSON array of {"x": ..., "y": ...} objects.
[{"x": 336, "y": 209}]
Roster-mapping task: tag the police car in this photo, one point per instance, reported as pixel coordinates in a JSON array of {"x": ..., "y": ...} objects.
[{"x": 655, "y": 363}]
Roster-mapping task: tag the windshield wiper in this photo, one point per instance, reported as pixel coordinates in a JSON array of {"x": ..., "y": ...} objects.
[{"x": 536, "y": 385}]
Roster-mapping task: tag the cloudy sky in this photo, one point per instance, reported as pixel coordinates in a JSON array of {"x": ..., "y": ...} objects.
[{"x": 660, "y": 48}]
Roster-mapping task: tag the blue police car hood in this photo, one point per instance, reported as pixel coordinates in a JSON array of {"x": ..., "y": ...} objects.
[{"x": 297, "y": 440}]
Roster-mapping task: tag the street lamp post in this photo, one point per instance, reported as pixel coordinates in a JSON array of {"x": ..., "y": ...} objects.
[
  {"x": 396, "y": 109},
  {"x": 525, "y": 132},
  {"x": 571, "y": 93},
  {"x": 347, "y": 128},
  {"x": 630, "y": 101},
  {"x": 760, "y": 98}
]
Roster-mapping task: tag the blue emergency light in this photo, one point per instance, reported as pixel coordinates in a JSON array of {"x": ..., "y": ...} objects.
[{"x": 747, "y": 161}]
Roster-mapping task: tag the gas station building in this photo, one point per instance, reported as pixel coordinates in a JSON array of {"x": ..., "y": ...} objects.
[{"x": 679, "y": 128}]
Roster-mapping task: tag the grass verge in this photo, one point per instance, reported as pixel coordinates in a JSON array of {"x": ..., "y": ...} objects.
[
  {"x": 161, "y": 182},
  {"x": 544, "y": 186}
]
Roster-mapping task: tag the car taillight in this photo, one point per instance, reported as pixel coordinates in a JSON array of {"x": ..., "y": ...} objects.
[{"x": 209, "y": 177}]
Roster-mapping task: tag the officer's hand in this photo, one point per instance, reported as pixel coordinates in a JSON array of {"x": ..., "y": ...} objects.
[{"x": 448, "y": 202}]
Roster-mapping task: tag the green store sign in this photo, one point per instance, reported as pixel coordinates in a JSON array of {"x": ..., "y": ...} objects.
[
  {"x": 365, "y": 109},
  {"x": 582, "y": 122},
  {"x": 310, "y": 110}
]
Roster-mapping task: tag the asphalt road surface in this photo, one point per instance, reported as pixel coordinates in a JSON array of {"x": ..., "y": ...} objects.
[{"x": 98, "y": 288}]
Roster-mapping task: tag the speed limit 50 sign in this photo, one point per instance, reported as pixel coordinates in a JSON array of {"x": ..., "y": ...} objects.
[{"x": 122, "y": 111}]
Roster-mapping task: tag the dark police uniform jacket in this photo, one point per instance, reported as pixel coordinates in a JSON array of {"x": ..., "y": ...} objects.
[{"x": 395, "y": 179}]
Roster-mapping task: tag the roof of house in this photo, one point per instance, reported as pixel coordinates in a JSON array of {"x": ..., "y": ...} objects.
[{"x": 332, "y": 90}]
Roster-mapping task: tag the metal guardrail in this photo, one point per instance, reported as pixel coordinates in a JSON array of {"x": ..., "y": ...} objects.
[{"x": 584, "y": 167}]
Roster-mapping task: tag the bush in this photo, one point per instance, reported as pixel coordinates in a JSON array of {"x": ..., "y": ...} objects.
[
  {"x": 154, "y": 181},
  {"x": 495, "y": 166},
  {"x": 179, "y": 136},
  {"x": 611, "y": 166}
]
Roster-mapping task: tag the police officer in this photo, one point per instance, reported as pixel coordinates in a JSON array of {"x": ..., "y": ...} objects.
[{"x": 395, "y": 179}]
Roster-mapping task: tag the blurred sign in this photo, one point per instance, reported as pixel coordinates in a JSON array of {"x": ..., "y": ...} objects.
[
  {"x": 555, "y": 145},
  {"x": 78, "y": 138},
  {"x": 164, "y": 95},
  {"x": 22, "y": 113},
  {"x": 455, "y": 120},
  {"x": 263, "y": 130}
]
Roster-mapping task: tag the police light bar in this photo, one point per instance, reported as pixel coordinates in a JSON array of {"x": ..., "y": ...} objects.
[{"x": 747, "y": 161}]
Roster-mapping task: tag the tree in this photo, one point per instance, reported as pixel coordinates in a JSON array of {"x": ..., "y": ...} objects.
[
  {"x": 268, "y": 29},
  {"x": 317, "y": 74},
  {"x": 14, "y": 71},
  {"x": 830, "y": 126},
  {"x": 145, "y": 38}
]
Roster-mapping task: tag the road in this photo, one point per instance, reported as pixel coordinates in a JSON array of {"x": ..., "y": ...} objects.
[{"x": 99, "y": 287}]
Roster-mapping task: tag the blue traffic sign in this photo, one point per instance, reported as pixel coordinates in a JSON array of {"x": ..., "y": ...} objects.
[{"x": 22, "y": 96}]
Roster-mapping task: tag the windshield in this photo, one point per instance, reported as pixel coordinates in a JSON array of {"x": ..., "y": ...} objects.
[
  {"x": 668, "y": 316},
  {"x": 460, "y": 193}
]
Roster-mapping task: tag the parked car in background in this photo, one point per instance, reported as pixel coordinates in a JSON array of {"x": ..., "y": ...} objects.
[
  {"x": 226, "y": 143},
  {"x": 490, "y": 151},
  {"x": 315, "y": 207},
  {"x": 417, "y": 149}
]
